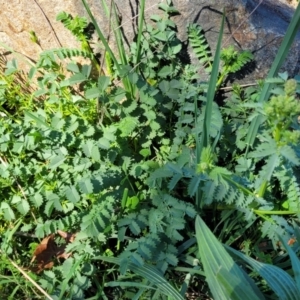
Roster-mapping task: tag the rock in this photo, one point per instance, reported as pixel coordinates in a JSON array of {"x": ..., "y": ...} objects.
[
  {"x": 259, "y": 28},
  {"x": 260, "y": 31}
]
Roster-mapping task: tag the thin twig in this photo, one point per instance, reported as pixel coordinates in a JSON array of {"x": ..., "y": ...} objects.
[
  {"x": 229, "y": 88},
  {"x": 255, "y": 8},
  {"x": 30, "y": 279},
  {"x": 47, "y": 19}
]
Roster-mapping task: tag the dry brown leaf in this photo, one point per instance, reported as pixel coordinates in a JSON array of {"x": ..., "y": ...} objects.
[
  {"x": 43, "y": 254},
  {"x": 47, "y": 251},
  {"x": 69, "y": 237}
]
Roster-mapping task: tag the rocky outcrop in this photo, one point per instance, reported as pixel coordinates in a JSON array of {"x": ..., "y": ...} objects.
[{"x": 259, "y": 28}]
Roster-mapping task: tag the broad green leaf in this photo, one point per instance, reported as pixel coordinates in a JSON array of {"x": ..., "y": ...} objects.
[
  {"x": 37, "y": 199},
  {"x": 11, "y": 67},
  {"x": 214, "y": 258},
  {"x": 145, "y": 152},
  {"x": 56, "y": 161},
  {"x": 86, "y": 70},
  {"x": 49, "y": 208},
  {"x": 67, "y": 265},
  {"x": 97, "y": 186},
  {"x": 127, "y": 125},
  {"x": 133, "y": 77},
  {"x": 8, "y": 212},
  {"x": 39, "y": 231},
  {"x": 172, "y": 93},
  {"x": 16, "y": 199},
  {"x": 118, "y": 95},
  {"x": 18, "y": 147},
  {"x": 174, "y": 168},
  {"x": 57, "y": 121},
  {"x": 26, "y": 227},
  {"x": 104, "y": 143},
  {"x": 90, "y": 225},
  {"x": 38, "y": 120},
  {"x": 164, "y": 86},
  {"x": 72, "y": 194},
  {"x": 86, "y": 186},
  {"x": 32, "y": 72},
  {"x": 72, "y": 127},
  {"x": 289, "y": 153},
  {"x": 278, "y": 280},
  {"x": 23, "y": 207},
  {"x": 90, "y": 131},
  {"x": 64, "y": 83},
  {"x": 175, "y": 47},
  {"x": 165, "y": 71},
  {"x": 88, "y": 147},
  {"x": 167, "y": 8},
  {"x": 55, "y": 200},
  {"x": 77, "y": 78},
  {"x": 194, "y": 184},
  {"x": 92, "y": 93},
  {"x": 103, "y": 83},
  {"x": 73, "y": 67},
  {"x": 95, "y": 153}
]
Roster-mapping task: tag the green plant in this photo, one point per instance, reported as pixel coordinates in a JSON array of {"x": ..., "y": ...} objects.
[
  {"x": 15, "y": 90},
  {"x": 228, "y": 281},
  {"x": 112, "y": 170},
  {"x": 279, "y": 59},
  {"x": 233, "y": 61},
  {"x": 79, "y": 28}
]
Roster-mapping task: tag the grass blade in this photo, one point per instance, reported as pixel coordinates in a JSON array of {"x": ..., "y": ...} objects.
[
  {"x": 225, "y": 278},
  {"x": 126, "y": 83},
  {"x": 279, "y": 281},
  {"x": 294, "y": 260},
  {"x": 118, "y": 35},
  {"x": 205, "y": 137},
  {"x": 140, "y": 31},
  {"x": 211, "y": 93},
  {"x": 100, "y": 34},
  {"x": 121, "y": 49},
  {"x": 150, "y": 273}
]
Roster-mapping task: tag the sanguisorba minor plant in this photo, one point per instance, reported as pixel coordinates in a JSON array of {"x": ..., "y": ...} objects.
[{"x": 112, "y": 169}]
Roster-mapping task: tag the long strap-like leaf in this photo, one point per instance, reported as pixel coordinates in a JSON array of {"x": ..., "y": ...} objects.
[
  {"x": 211, "y": 94},
  {"x": 205, "y": 137},
  {"x": 150, "y": 273},
  {"x": 278, "y": 280},
  {"x": 225, "y": 278}
]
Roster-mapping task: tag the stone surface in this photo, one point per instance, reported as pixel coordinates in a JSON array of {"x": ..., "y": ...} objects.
[{"x": 260, "y": 31}]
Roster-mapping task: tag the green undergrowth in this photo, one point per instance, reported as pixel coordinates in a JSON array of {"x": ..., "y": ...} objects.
[{"x": 122, "y": 157}]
